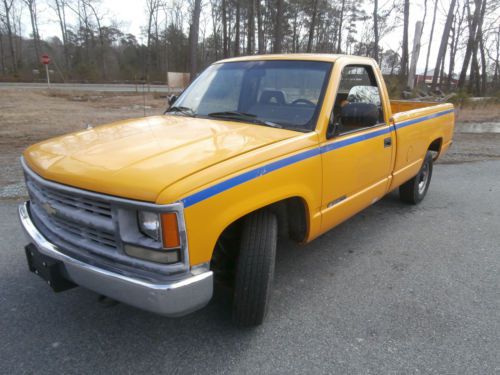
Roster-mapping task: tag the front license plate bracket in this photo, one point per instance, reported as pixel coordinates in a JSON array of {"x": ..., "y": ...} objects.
[{"x": 49, "y": 269}]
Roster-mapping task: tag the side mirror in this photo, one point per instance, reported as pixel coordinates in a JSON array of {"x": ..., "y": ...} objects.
[{"x": 359, "y": 115}]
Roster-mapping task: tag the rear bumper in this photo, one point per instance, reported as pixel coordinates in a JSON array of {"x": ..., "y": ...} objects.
[{"x": 174, "y": 298}]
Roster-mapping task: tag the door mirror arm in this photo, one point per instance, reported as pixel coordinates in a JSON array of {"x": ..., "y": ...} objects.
[
  {"x": 171, "y": 100},
  {"x": 332, "y": 129}
]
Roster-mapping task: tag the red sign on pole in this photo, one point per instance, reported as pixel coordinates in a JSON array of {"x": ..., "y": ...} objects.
[{"x": 45, "y": 59}]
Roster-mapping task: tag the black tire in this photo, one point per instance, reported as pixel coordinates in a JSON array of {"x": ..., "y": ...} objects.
[
  {"x": 413, "y": 191},
  {"x": 255, "y": 268}
]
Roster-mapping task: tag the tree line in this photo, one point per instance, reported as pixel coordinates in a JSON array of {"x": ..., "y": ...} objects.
[{"x": 186, "y": 36}]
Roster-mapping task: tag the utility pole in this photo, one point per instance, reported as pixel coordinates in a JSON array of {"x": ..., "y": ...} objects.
[{"x": 415, "y": 54}]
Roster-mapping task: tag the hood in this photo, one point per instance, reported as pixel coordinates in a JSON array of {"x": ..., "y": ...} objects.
[{"x": 139, "y": 158}]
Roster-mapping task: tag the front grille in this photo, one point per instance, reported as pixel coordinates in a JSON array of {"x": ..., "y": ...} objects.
[
  {"x": 79, "y": 219},
  {"x": 85, "y": 233},
  {"x": 71, "y": 201}
]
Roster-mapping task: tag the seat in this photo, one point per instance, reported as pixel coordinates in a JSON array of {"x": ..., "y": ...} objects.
[{"x": 276, "y": 97}]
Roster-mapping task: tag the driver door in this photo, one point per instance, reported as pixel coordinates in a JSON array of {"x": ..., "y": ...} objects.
[{"x": 357, "y": 158}]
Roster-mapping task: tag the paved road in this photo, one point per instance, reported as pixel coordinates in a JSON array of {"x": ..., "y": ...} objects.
[
  {"x": 88, "y": 87},
  {"x": 397, "y": 289}
]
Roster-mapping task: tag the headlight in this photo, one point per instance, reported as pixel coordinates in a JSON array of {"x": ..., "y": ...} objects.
[
  {"x": 163, "y": 228},
  {"x": 149, "y": 224}
]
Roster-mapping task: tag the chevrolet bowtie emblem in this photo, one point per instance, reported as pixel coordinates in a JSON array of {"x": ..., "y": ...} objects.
[{"x": 49, "y": 209}]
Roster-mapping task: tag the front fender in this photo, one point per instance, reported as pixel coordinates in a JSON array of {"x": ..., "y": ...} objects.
[{"x": 213, "y": 208}]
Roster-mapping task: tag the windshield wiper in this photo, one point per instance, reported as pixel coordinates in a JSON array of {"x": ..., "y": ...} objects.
[
  {"x": 243, "y": 116},
  {"x": 182, "y": 110}
]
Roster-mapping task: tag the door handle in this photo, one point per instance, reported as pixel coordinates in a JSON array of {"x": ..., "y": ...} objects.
[{"x": 387, "y": 142}]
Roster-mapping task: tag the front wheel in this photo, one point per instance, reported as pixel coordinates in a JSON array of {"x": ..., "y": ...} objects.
[
  {"x": 413, "y": 191},
  {"x": 255, "y": 268}
]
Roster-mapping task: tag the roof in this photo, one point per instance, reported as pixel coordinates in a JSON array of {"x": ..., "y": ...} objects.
[
  {"x": 293, "y": 56},
  {"x": 430, "y": 72}
]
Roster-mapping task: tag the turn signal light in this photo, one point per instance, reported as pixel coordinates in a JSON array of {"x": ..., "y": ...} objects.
[{"x": 170, "y": 229}]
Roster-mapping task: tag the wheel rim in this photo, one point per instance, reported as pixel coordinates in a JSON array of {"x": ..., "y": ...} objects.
[{"x": 423, "y": 179}]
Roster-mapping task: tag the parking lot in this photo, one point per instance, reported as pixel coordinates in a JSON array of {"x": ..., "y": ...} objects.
[{"x": 397, "y": 289}]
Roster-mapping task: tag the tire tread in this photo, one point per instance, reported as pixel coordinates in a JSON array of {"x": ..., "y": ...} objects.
[{"x": 255, "y": 268}]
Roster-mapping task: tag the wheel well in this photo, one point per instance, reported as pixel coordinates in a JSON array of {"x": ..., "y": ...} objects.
[
  {"x": 292, "y": 223},
  {"x": 436, "y": 147}
]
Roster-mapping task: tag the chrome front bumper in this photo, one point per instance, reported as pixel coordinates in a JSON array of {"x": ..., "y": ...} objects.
[{"x": 174, "y": 298}]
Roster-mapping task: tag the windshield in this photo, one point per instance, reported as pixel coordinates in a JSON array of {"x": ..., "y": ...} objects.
[{"x": 285, "y": 94}]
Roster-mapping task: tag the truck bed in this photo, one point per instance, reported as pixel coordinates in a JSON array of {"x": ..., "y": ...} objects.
[
  {"x": 408, "y": 105},
  {"x": 418, "y": 125}
]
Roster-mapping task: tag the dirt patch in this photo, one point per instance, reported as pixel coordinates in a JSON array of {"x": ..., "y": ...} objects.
[
  {"x": 479, "y": 112},
  {"x": 470, "y": 147},
  {"x": 27, "y": 117}
]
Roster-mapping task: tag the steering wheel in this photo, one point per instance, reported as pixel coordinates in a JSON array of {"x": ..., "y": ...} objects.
[{"x": 303, "y": 102}]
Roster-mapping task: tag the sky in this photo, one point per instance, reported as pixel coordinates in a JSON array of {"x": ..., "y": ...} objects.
[{"x": 130, "y": 16}]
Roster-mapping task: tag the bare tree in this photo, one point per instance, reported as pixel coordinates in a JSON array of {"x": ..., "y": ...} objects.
[
  {"x": 93, "y": 46},
  {"x": 454, "y": 40},
  {"x": 152, "y": 7},
  {"x": 193, "y": 39},
  {"x": 340, "y": 30},
  {"x": 237, "y": 27},
  {"x": 404, "y": 54},
  {"x": 494, "y": 55},
  {"x": 60, "y": 8},
  {"x": 98, "y": 19},
  {"x": 7, "y": 8},
  {"x": 31, "y": 5},
  {"x": 473, "y": 27},
  {"x": 375, "y": 30},
  {"x": 260, "y": 28},
  {"x": 444, "y": 43},
  {"x": 430, "y": 39},
  {"x": 225, "y": 39},
  {"x": 2, "y": 51},
  {"x": 278, "y": 36},
  {"x": 215, "y": 20},
  {"x": 479, "y": 46},
  {"x": 251, "y": 27},
  {"x": 312, "y": 25}
]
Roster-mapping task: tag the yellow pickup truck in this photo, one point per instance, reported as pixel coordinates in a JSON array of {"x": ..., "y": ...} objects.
[{"x": 153, "y": 211}]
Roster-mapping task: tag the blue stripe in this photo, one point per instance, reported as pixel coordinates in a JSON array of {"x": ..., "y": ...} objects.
[
  {"x": 346, "y": 142},
  {"x": 250, "y": 175},
  {"x": 247, "y": 176},
  {"x": 424, "y": 118}
]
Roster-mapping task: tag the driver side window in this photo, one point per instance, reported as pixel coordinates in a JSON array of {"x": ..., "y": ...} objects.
[{"x": 358, "y": 104}]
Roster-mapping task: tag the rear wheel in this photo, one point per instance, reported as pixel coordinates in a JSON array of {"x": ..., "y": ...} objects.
[
  {"x": 413, "y": 191},
  {"x": 255, "y": 268}
]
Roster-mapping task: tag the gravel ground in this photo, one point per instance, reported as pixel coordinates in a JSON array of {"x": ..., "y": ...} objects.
[{"x": 396, "y": 290}]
